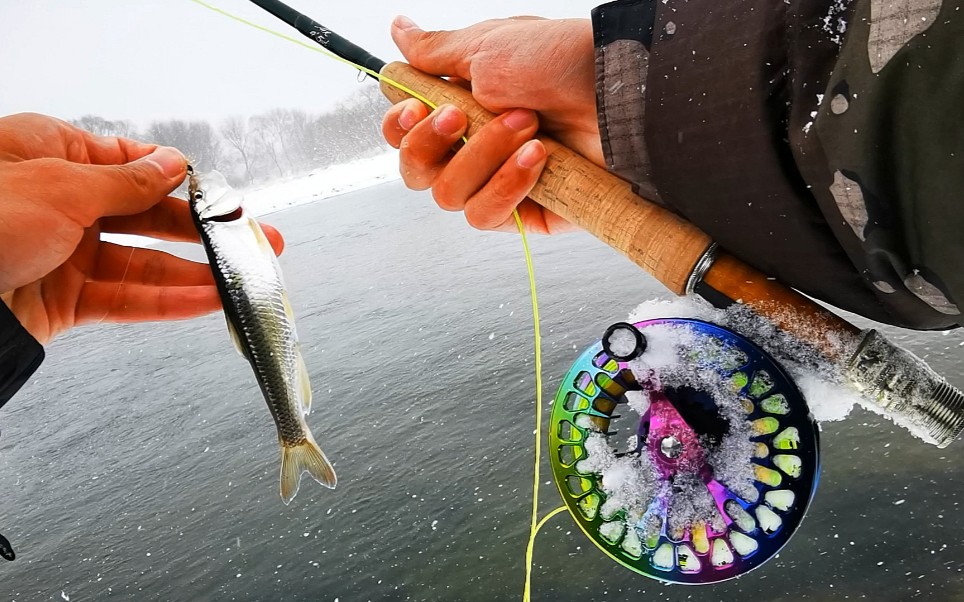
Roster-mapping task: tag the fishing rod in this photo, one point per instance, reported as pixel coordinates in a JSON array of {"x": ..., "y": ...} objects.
[
  {"x": 681, "y": 256},
  {"x": 330, "y": 40},
  {"x": 679, "y": 435}
]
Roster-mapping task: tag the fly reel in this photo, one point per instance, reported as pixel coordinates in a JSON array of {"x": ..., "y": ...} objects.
[{"x": 683, "y": 450}]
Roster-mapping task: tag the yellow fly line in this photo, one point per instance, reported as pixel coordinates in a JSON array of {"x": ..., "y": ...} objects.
[{"x": 534, "y": 524}]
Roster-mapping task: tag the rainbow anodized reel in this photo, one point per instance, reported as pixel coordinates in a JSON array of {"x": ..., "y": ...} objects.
[{"x": 683, "y": 450}]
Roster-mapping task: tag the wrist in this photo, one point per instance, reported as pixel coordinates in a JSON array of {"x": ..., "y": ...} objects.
[{"x": 573, "y": 58}]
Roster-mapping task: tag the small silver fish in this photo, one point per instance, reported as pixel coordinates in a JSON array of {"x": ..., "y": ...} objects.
[{"x": 260, "y": 321}]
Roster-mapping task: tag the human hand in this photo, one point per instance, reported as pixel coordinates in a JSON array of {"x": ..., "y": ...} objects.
[
  {"x": 532, "y": 71},
  {"x": 60, "y": 187}
]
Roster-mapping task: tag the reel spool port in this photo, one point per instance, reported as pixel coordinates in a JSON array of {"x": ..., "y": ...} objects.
[{"x": 708, "y": 467}]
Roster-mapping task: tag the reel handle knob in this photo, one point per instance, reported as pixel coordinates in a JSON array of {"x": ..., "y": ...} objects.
[{"x": 617, "y": 340}]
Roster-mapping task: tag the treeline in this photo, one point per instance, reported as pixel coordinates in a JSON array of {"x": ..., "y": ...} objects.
[{"x": 280, "y": 142}]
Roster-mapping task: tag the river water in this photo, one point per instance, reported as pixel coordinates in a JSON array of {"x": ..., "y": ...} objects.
[{"x": 142, "y": 464}]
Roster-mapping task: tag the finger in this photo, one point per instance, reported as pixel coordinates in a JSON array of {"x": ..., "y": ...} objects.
[
  {"x": 461, "y": 82},
  {"x": 33, "y": 136},
  {"x": 88, "y": 192},
  {"x": 106, "y": 301},
  {"x": 552, "y": 223},
  {"x": 85, "y": 147},
  {"x": 117, "y": 263},
  {"x": 425, "y": 149},
  {"x": 536, "y": 219},
  {"x": 139, "y": 185},
  {"x": 168, "y": 220},
  {"x": 171, "y": 220},
  {"x": 435, "y": 52},
  {"x": 482, "y": 156},
  {"x": 492, "y": 206},
  {"x": 401, "y": 118},
  {"x": 274, "y": 237},
  {"x": 113, "y": 150}
]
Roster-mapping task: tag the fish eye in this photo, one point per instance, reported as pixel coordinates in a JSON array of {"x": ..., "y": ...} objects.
[{"x": 198, "y": 195}]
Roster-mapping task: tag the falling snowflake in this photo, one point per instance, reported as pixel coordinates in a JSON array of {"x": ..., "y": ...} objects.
[{"x": 834, "y": 22}]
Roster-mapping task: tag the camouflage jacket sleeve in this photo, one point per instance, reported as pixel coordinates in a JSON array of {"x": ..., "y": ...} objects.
[
  {"x": 820, "y": 141},
  {"x": 20, "y": 354}
]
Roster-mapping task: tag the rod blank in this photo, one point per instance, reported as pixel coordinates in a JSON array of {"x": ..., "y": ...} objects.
[{"x": 322, "y": 35}]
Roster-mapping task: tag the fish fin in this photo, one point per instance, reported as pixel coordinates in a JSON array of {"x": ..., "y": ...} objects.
[
  {"x": 304, "y": 384},
  {"x": 286, "y": 302},
  {"x": 306, "y": 457},
  {"x": 236, "y": 339},
  {"x": 263, "y": 243}
]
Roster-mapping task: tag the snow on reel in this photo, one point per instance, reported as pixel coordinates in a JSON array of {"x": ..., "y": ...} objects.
[{"x": 710, "y": 463}]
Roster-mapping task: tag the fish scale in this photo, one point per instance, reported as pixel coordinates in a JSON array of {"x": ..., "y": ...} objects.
[
  {"x": 261, "y": 322},
  {"x": 276, "y": 371}
]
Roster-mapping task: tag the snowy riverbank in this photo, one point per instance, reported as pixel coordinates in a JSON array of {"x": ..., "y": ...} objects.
[
  {"x": 321, "y": 184},
  {"x": 318, "y": 185}
]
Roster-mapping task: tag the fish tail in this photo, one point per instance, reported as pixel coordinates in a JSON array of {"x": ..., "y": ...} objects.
[{"x": 305, "y": 457}]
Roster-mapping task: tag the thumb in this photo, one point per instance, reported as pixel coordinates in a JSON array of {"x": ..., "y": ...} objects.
[
  {"x": 434, "y": 52},
  {"x": 132, "y": 187}
]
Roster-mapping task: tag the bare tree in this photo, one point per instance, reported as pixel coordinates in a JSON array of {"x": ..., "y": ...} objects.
[
  {"x": 275, "y": 143},
  {"x": 302, "y": 141},
  {"x": 196, "y": 139},
  {"x": 106, "y": 127},
  {"x": 353, "y": 129},
  {"x": 265, "y": 144},
  {"x": 235, "y": 131},
  {"x": 278, "y": 123}
]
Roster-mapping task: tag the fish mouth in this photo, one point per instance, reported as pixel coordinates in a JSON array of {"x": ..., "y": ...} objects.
[
  {"x": 229, "y": 217},
  {"x": 213, "y": 199}
]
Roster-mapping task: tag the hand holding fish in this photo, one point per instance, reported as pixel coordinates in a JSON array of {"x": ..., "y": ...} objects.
[
  {"x": 536, "y": 72},
  {"x": 61, "y": 187}
]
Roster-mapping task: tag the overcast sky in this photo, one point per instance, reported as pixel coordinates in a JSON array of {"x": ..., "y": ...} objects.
[{"x": 154, "y": 59}]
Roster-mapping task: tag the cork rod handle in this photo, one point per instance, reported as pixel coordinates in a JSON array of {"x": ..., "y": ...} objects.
[
  {"x": 660, "y": 242},
  {"x": 583, "y": 193}
]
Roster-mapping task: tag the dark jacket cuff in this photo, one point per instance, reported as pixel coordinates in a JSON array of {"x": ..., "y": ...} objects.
[
  {"x": 622, "y": 32},
  {"x": 20, "y": 354},
  {"x": 709, "y": 106}
]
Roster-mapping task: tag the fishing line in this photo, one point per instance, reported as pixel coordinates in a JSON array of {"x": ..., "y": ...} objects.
[
  {"x": 320, "y": 50},
  {"x": 531, "y": 545},
  {"x": 119, "y": 286},
  {"x": 534, "y": 524}
]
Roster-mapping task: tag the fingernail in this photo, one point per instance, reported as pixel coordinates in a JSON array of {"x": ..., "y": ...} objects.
[
  {"x": 404, "y": 23},
  {"x": 448, "y": 121},
  {"x": 170, "y": 161},
  {"x": 533, "y": 152},
  {"x": 407, "y": 119},
  {"x": 520, "y": 119}
]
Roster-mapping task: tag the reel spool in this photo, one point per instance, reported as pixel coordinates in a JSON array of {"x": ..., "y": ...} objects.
[{"x": 720, "y": 457}]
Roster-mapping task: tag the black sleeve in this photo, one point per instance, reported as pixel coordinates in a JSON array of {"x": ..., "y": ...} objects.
[
  {"x": 882, "y": 148},
  {"x": 20, "y": 354},
  {"x": 821, "y": 142}
]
